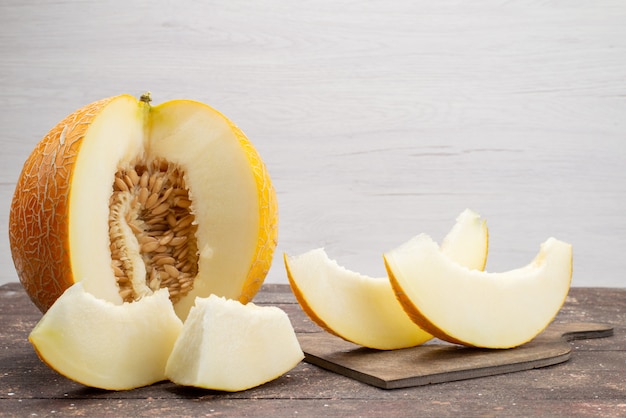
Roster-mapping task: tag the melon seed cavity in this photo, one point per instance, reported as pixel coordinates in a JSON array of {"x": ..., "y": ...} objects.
[{"x": 152, "y": 231}]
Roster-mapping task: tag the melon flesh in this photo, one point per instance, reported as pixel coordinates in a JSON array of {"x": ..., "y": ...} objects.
[
  {"x": 478, "y": 308},
  {"x": 364, "y": 310},
  {"x": 191, "y": 136},
  {"x": 107, "y": 346},
  {"x": 467, "y": 243},
  {"x": 228, "y": 346}
]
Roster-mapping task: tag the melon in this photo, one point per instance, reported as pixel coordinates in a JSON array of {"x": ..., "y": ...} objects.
[
  {"x": 364, "y": 309},
  {"x": 107, "y": 346},
  {"x": 479, "y": 308},
  {"x": 225, "y": 345},
  {"x": 130, "y": 198}
]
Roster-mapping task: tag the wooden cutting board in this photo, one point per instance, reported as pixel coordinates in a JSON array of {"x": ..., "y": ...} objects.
[{"x": 438, "y": 361}]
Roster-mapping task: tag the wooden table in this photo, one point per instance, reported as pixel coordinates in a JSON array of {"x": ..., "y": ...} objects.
[{"x": 591, "y": 383}]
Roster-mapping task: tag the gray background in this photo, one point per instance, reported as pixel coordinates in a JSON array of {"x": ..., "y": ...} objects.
[{"x": 377, "y": 120}]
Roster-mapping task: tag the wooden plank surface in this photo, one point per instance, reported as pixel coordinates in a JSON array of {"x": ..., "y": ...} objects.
[
  {"x": 377, "y": 119},
  {"x": 440, "y": 362},
  {"x": 591, "y": 383}
]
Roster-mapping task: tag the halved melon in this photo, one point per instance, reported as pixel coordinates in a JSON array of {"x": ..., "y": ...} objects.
[
  {"x": 132, "y": 198},
  {"x": 225, "y": 345},
  {"x": 107, "y": 346},
  {"x": 477, "y": 308},
  {"x": 363, "y": 309}
]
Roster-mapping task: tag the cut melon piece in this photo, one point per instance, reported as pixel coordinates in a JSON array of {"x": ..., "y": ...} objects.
[
  {"x": 107, "y": 346},
  {"x": 228, "y": 346},
  {"x": 467, "y": 243},
  {"x": 133, "y": 198},
  {"x": 474, "y": 308},
  {"x": 363, "y": 309}
]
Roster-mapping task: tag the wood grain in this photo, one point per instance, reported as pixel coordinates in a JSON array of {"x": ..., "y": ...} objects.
[
  {"x": 591, "y": 383},
  {"x": 378, "y": 120}
]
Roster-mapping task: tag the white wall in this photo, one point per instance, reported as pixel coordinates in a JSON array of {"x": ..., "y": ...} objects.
[{"x": 377, "y": 119}]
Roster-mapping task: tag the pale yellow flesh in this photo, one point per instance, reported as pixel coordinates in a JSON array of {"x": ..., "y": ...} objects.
[
  {"x": 467, "y": 243},
  {"x": 218, "y": 176},
  {"x": 98, "y": 344},
  {"x": 492, "y": 310},
  {"x": 363, "y": 309},
  {"x": 225, "y": 345}
]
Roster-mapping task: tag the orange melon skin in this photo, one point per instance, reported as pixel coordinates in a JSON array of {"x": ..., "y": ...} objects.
[
  {"x": 268, "y": 213},
  {"x": 39, "y": 218}
]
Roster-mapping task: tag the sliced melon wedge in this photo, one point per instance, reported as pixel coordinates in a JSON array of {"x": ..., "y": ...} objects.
[
  {"x": 363, "y": 309},
  {"x": 225, "y": 345},
  {"x": 477, "y": 308},
  {"x": 107, "y": 346}
]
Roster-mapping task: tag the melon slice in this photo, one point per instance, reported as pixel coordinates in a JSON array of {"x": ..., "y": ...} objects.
[
  {"x": 133, "y": 198},
  {"x": 363, "y": 309},
  {"x": 225, "y": 345},
  {"x": 107, "y": 346},
  {"x": 477, "y": 308}
]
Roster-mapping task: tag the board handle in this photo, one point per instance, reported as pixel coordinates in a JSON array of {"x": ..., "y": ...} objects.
[{"x": 571, "y": 331}]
